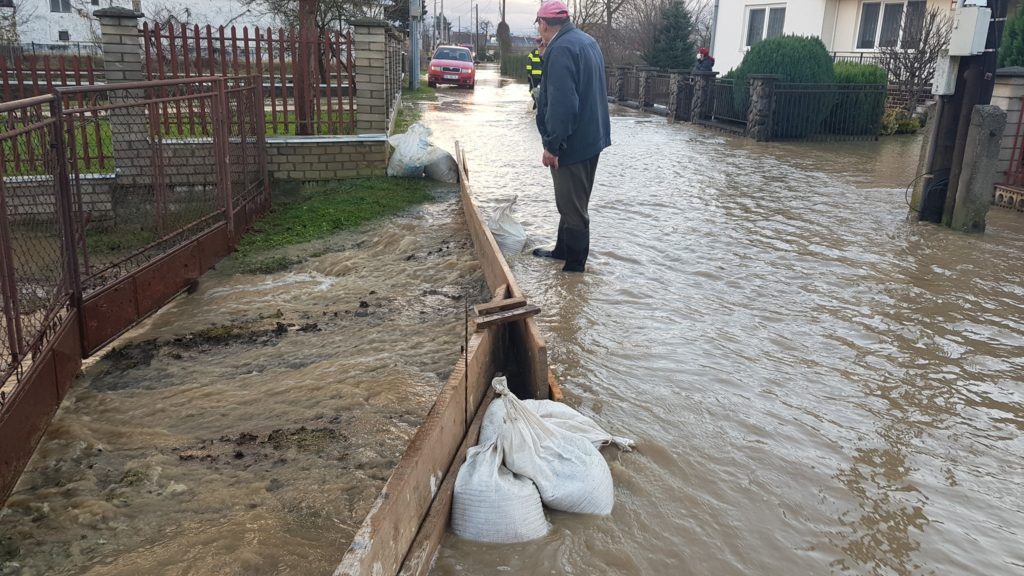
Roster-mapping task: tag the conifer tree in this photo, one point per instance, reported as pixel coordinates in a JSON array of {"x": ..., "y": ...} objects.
[
  {"x": 1011, "y": 50},
  {"x": 673, "y": 40}
]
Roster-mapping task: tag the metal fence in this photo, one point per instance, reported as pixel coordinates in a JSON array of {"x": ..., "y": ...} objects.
[
  {"x": 828, "y": 111},
  {"x": 632, "y": 86},
  {"x": 15, "y": 51},
  {"x": 659, "y": 88},
  {"x": 184, "y": 52},
  {"x": 66, "y": 234},
  {"x": 859, "y": 57},
  {"x": 34, "y": 75},
  {"x": 35, "y": 279},
  {"x": 723, "y": 103}
]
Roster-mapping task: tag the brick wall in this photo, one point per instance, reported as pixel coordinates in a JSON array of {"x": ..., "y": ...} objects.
[
  {"x": 326, "y": 158},
  {"x": 34, "y": 197}
]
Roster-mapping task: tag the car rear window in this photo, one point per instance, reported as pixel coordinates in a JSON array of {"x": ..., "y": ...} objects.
[{"x": 451, "y": 54}]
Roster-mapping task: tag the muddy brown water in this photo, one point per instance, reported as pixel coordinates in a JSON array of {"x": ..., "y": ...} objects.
[
  {"x": 248, "y": 427},
  {"x": 817, "y": 385}
]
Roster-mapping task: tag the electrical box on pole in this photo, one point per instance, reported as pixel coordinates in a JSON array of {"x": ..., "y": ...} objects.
[
  {"x": 970, "y": 30},
  {"x": 944, "y": 80}
]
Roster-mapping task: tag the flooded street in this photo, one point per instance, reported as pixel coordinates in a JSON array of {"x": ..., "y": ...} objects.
[
  {"x": 247, "y": 428},
  {"x": 817, "y": 385}
]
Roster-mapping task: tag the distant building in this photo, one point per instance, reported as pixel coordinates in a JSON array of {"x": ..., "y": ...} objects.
[
  {"x": 851, "y": 29},
  {"x": 67, "y": 23}
]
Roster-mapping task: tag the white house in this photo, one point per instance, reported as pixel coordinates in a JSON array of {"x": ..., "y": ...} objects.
[
  {"x": 70, "y": 22},
  {"x": 847, "y": 27}
]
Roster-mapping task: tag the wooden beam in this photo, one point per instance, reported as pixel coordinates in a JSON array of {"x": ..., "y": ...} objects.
[
  {"x": 421, "y": 554},
  {"x": 387, "y": 532},
  {"x": 554, "y": 388},
  {"x": 499, "y": 306},
  {"x": 504, "y": 317}
]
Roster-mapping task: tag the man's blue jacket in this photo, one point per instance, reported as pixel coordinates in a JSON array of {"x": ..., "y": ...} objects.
[{"x": 572, "y": 107}]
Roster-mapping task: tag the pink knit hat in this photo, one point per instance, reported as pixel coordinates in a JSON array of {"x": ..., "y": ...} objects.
[{"x": 553, "y": 9}]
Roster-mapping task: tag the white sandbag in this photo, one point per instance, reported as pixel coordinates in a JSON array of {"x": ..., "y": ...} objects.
[
  {"x": 568, "y": 470},
  {"x": 508, "y": 232},
  {"x": 443, "y": 168},
  {"x": 413, "y": 151},
  {"x": 491, "y": 504},
  {"x": 554, "y": 414}
]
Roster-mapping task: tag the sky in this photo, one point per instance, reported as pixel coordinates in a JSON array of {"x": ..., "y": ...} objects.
[{"x": 518, "y": 13}]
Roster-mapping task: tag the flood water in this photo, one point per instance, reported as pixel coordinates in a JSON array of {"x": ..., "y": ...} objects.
[
  {"x": 817, "y": 385},
  {"x": 246, "y": 429}
]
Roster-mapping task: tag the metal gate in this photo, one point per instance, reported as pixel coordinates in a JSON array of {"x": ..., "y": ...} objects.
[{"x": 108, "y": 209}]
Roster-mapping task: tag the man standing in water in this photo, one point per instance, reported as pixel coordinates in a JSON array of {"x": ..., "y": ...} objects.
[{"x": 572, "y": 117}]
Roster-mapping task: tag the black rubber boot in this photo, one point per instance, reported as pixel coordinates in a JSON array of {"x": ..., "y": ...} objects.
[
  {"x": 558, "y": 253},
  {"x": 577, "y": 248}
]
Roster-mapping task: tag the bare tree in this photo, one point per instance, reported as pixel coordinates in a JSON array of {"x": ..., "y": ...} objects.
[
  {"x": 911, "y": 61},
  {"x": 702, "y": 13}
]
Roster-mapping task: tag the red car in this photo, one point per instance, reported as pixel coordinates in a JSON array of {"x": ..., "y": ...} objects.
[{"x": 452, "y": 65}]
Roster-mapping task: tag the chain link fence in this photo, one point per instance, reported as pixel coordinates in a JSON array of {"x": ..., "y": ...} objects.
[{"x": 72, "y": 225}]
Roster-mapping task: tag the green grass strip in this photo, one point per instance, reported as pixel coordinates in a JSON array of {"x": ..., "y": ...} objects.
[{"x": 306, "y": 212}]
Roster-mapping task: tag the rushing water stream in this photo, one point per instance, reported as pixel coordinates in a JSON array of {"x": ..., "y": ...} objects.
[
  {"x": 817, "y": 385},
  {"x": 247, "y": 428}
]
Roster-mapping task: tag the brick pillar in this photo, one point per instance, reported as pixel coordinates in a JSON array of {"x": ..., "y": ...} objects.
[
  {"x": 129, "y": 126},
  {"x": 620, "y": 83},
  {"x": 644, "y": 98},
  {"x": 700, "y": 104},
  {"x": 762, "y": 105},
  {"x": 370, "y": 52},
  {"x": 122, "y": 53}
]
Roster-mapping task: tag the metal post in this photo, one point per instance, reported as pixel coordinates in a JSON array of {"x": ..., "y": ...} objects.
[
  {"x": 261, "y": 136},
  {"x": 65, "y": 214},
  {"x": 222, "y": 155},
  {"x": 415, "y": 12}
]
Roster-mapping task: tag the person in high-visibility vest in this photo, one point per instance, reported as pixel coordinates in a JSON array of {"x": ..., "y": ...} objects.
[{"x": 533, "y": 64}]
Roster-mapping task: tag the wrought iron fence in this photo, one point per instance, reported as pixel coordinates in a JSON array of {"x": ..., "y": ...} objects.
[
  {"x": 723, "y": 102},
  {"x": 632, "y": 85},
  {"x": 859, "y": 57},
  {"x": 828, "y": 111},
  {"x": 35, "y": 282},
  {"x": 184, "y": 52},
  {"x": 659, "y": 88}
]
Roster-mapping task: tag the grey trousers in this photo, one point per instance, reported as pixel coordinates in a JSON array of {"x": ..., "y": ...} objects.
[{"x": 573, "y": 184}]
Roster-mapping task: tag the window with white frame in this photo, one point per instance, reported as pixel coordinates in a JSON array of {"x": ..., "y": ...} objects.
[
  {"x": 60, "y": 5},
  {"x": 764, "y": 22},
  {"x": 891, "y": 24}
]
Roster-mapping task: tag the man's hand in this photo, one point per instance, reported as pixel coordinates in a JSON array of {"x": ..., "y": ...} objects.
[{"x": 549, "y": 160}]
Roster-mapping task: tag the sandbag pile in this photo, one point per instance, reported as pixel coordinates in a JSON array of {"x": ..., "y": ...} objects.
[
  {"x": 507, "y": 231},
  {"x": 530, "y": 453},
  {"x": 414, "y": 155}
]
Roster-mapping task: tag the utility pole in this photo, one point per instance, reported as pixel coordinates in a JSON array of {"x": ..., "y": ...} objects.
[
  {"x": 476, "y": 43},
  {"x": 443, "y": 24},
  {"x": 415, "y": 14},
  {"x": 433, "y": 27},
  {"x": 975, "y": 80}
]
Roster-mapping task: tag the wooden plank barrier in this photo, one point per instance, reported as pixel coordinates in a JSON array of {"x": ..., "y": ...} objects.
[{"x": 407, "y": 522}]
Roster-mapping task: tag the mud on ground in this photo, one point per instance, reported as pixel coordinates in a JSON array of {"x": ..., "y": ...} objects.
[{"x": 248, "y": 427}]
